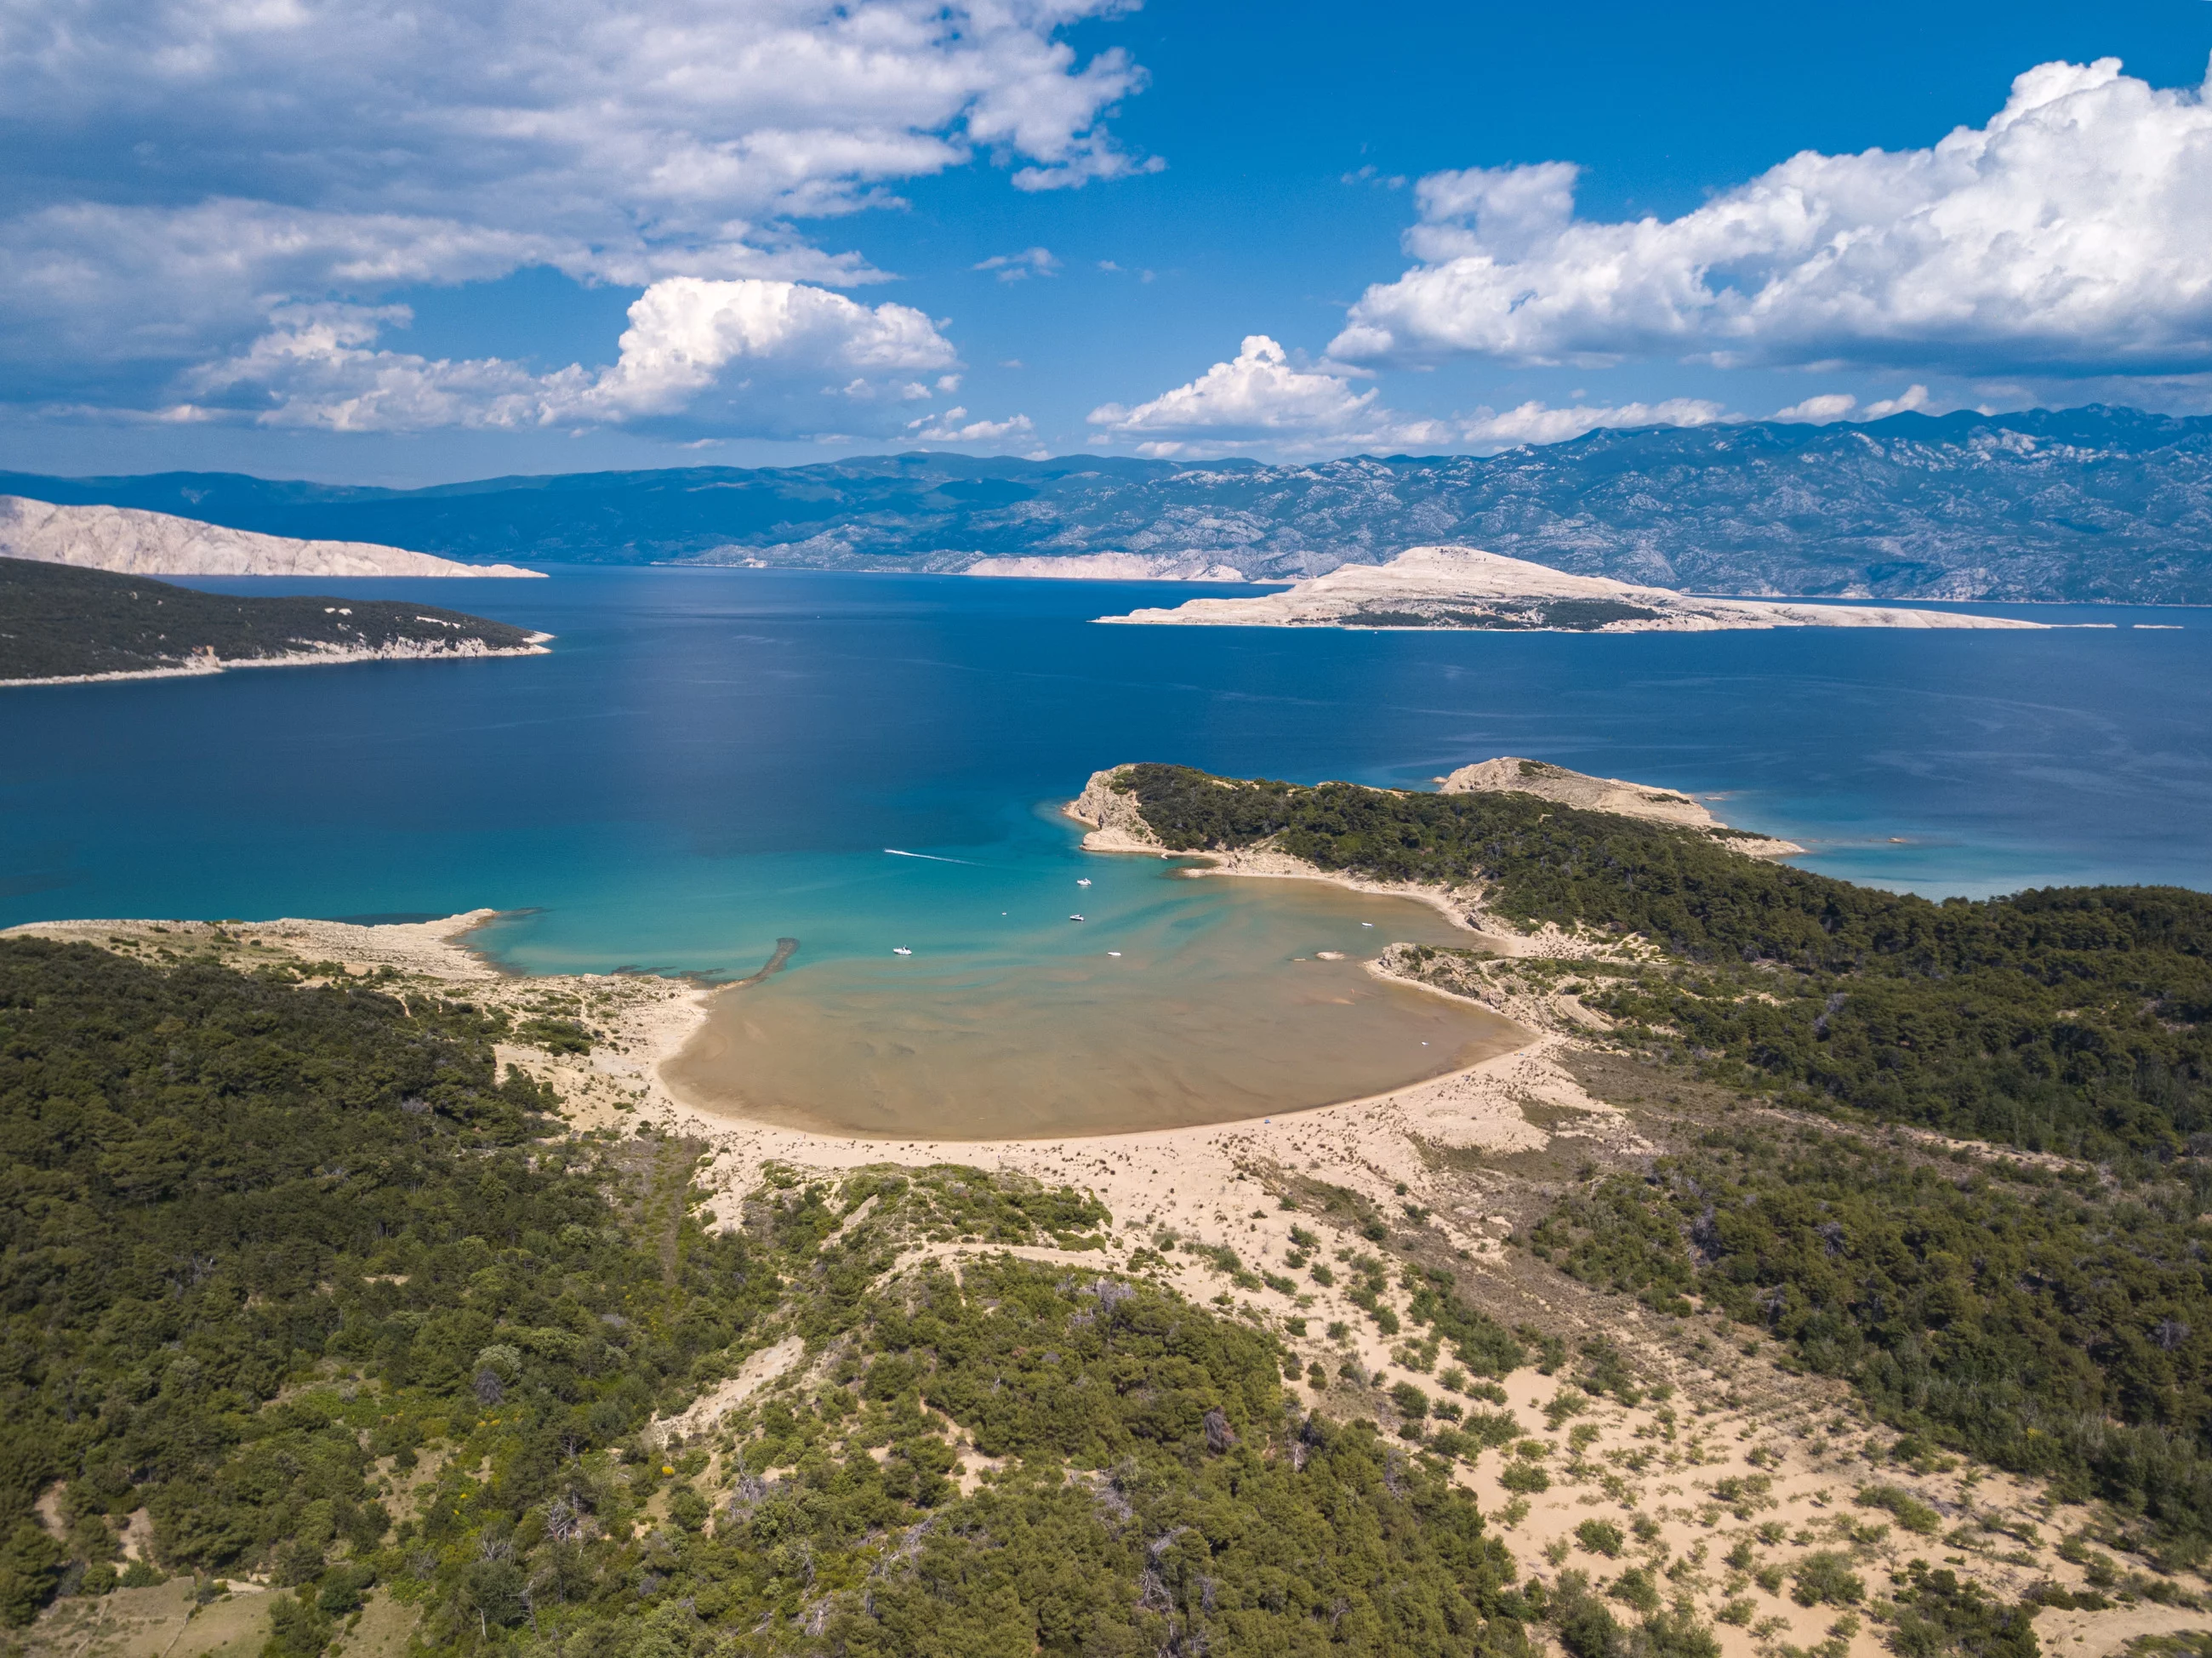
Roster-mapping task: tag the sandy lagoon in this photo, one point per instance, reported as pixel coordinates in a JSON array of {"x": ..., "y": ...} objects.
[{"x": 1213, "y": 1013}]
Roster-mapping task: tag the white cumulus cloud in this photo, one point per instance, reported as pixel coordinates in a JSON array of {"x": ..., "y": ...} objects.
[
  {"x": 2066, "y": 234},
  {"x": 953, "y": 426},
  {"x": 1841, "y": 405},
  {"x": 1260, "y": 402},
  {"x": 179, "y": 169},
  {"x": 687, "y": 334},
  {"x": 751, "y": 357}
]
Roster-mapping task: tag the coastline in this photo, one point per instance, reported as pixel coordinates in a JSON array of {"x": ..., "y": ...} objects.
[
  {"x": 1371, "y": 1144},
  {"x": 1452, "y": 1167},
  {"x": 536, "y": 647},
  {"x": 1113, "y": 825}
]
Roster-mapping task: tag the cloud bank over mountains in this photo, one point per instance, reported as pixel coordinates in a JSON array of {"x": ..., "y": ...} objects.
[
  {"x": 2060, "y": 246},
  {"x": 1261, "y": 402},
  {"x": 2066, "y": 236}
]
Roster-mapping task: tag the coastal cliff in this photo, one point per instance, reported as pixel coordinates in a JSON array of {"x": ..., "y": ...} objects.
[{"x": 133, "y": 542}]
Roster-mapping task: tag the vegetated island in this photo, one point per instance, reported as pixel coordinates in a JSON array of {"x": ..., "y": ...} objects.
[
  {"x": 358, "y": 1293},
  {"x": 1465, "y": 587},
  {"x": 60, "y": 624},
  {"x": 136, "y": 543}
]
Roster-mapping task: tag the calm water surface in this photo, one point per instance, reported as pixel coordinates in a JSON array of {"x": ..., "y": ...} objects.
[{"x": 711, "y": 760}]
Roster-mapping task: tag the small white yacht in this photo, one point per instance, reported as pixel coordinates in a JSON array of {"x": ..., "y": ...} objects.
[
  {"x": 901, "y": 950},
  {"x": 1075, "y": 918},
  {"x": 1083, "y": 880}
]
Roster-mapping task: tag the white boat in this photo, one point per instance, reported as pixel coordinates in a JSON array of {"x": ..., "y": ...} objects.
[
  {"x": 1083, "y": 880},
  {"x": 901, "y": 950},
  {"x": 1113, "y": 953},
  {"x": 1075, "y": 918}
]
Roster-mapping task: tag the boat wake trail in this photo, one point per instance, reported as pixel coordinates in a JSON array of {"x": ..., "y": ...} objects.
[{"x": 893, "y": 852}]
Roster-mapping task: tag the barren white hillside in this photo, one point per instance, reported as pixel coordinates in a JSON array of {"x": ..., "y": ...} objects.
[
  {"x": 133, "y": 542},
  {"x": 1465, "y": 587},
  {"x": 1511, "y": 773}
]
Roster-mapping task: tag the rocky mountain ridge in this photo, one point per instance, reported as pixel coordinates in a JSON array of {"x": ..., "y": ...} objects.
[{"x": 2084, "y": 504}]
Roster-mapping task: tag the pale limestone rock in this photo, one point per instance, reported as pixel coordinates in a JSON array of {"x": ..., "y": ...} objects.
[{"x": 133, "y": 542}]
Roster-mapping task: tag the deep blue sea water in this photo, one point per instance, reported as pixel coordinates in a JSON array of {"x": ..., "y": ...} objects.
[{"x": 710, "y": 759}]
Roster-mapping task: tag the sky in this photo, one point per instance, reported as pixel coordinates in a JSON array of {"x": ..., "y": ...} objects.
[{"x": 364, "y": 243}]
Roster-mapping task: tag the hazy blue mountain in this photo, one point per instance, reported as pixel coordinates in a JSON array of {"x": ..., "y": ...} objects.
[{"x": 2091, "y": 503}]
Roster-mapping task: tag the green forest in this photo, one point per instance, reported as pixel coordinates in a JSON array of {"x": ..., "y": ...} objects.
[
  {"x": 58, "y": 621},
  {"x": 2041, "y": 1320},
  {"x": 303, "y": 1274},
  {"x": 272, "y": 1248},
  {"x": 2054, "y": 1321},
  {"x": 2068, "y": 1020}
]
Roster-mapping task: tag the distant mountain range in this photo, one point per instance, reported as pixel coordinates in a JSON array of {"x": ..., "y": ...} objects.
[{"x": 2083, "y": 504}]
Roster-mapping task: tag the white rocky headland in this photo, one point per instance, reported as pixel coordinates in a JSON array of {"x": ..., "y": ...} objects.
[{"x": 133, "y": 542}]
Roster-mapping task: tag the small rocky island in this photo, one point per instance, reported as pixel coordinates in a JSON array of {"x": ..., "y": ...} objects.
[
  {"x": 58, "y": 623},
  {"x": 1465, "y": 587}
]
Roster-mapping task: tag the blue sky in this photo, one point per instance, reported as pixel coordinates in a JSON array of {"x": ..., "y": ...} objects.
[{"x": 342, "y": 242}]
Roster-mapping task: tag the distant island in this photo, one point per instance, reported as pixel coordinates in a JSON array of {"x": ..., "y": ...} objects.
[
  {"x": 57, "y": 623},
  {"x": 134, "y": 542},
  {"x": 1467, "y": 588}
]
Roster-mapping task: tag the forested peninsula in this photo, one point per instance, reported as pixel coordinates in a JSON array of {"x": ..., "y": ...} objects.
[
  {"x": 60, "y": 623},
  {"x": 2050, "y": 1313},
  {"x": 1827, "y": 1277}
]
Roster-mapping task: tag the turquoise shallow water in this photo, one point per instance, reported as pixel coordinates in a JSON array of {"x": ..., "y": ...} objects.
[{"x": 713, "y": 759}]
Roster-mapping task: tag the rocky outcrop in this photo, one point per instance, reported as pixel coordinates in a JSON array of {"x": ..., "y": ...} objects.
[
  {"x": 1117, "y": 824},
  {"x": 1512, "y": 774},
  {"x": 131, "y": 542}
]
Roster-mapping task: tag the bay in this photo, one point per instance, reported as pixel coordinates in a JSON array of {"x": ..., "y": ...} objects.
[{"x": 711, "y": 760}]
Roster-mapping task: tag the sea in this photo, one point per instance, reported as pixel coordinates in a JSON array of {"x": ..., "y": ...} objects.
[{"x": 709, "y": 761}]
